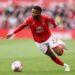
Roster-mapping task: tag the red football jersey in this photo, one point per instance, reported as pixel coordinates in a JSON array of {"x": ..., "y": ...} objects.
[{"x": 39, "y": 28}]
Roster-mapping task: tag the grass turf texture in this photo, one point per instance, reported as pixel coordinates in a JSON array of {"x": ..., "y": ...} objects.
[{"x": 34, "y": 61}]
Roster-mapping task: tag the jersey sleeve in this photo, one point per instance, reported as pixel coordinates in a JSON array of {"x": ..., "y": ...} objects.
[
  {"x": 52, "y": 21},
  {"x": 22, "y": 26}
]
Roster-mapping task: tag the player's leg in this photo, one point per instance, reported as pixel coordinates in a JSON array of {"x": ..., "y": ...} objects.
[
  {"x": 46, "y": 50},
  {"x": 57, "y": 48},
  {"x": 44, "y": 47},
  {"x": 56, "y": 59}
]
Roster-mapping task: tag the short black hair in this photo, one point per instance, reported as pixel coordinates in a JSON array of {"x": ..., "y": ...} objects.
[{"x": 37, "y": 8}]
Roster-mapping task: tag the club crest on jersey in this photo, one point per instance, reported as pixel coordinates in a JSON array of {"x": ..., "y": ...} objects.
[{"x": 39, "y": 29}]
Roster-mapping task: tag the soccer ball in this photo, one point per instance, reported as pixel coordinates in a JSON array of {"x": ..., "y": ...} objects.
[{"x": 17, "y": 66}]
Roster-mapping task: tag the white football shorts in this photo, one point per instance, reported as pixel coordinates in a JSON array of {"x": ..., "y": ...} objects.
[{"x": 51, "y": 42}]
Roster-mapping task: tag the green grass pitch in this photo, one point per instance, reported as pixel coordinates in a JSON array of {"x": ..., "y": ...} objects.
[{"x": 34, "y": 61}]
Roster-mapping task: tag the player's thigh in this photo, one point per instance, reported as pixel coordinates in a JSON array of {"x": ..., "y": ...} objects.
[
  {"x": 42, "y": 46},
  {"x": 53, "y": 45},
  {"x": 52, "y": 42}
]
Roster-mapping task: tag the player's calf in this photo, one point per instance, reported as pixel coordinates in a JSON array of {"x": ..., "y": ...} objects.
[
  {"x": 49, "y": 53},
  {"x": 54, "y": 57}
]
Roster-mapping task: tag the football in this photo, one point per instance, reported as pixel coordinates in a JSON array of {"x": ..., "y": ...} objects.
[{"x": 17, "y": 66}]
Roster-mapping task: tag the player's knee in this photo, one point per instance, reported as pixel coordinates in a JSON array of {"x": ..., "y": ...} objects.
[
  {"x": 61, "y": 53},
  {"x": 58, "y": 50}
]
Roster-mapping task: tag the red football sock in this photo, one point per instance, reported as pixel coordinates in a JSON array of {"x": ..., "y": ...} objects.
[
  {"x": 54, "y": 58},
  {"x": 58, "y": 61}
]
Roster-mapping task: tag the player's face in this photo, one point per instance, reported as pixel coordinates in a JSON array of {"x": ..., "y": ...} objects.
[{"x": 36, "y": 14}]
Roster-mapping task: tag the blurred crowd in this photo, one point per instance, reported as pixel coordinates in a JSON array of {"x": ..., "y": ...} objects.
[{"x": 13, "y": 16}]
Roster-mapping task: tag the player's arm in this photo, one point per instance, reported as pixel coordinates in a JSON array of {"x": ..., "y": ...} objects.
[
  {"x": 22, "y": 26},
  {"x": 52, "y": 21},
  {"x": 19, "y": 28}
]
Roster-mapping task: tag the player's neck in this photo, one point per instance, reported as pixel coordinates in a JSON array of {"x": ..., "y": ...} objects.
[{"x": 39, "y": 17}]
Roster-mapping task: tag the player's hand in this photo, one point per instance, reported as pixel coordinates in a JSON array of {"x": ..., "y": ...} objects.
[{"x": 9, "y": 35}]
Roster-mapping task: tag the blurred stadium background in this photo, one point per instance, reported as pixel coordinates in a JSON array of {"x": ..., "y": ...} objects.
[{"x": 12, "y": 14}]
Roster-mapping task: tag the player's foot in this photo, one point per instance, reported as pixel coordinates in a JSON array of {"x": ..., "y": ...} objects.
[{"x": 66, "y": 67}]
